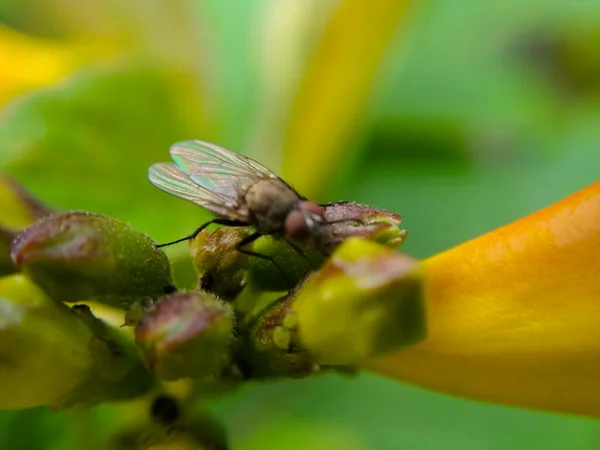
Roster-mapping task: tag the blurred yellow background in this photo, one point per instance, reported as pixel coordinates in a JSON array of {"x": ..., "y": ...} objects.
[{"x": 458, "y": 115}]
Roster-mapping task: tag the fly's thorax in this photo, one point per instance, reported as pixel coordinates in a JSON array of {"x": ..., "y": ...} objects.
[{"x": 270, "y": 202}]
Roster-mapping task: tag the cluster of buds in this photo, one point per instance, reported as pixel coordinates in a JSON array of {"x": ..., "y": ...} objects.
[{"x": 129, "y": 329}]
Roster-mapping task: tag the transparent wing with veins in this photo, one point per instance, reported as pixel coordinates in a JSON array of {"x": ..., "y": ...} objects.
[
  {"x": 216, "y": 168},
  {"x": 210, "y": 176},
  {"x": 173, "y": 180}
]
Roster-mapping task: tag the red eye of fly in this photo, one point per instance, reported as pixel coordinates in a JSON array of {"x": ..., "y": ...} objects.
[
  {"x": 312, "y": 208},
  {"x": 295, "y": 224}
]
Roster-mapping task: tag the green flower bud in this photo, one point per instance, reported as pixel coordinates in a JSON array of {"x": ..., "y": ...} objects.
[
  {"x": 187, "y": 334},
  {"x": 44, "y": 351},
  {"x": 118, "y": 373},
  {"x": 80, "y": 256},
  {"x": 270, "y": 347},
  {"x": 52, "y": 355},
  {"x": 367, "y": 300},
  {"x": 220, "y": 266}
]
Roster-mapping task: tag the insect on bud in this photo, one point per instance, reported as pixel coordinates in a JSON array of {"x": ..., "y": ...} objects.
[
  {"x": 80, "y": 256},
  {"x": 242, "y": 192},
  {"x": 187, "y": 334},
  {"x": 365, "y": 301}
]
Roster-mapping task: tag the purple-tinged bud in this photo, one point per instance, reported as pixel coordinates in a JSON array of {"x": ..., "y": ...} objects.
[
  {"x": 367, "y": 300},
  {"x": 348, "y": 220},
  {"x": 56, "y": 356},
  {"x": 270, "y": 347},
  {"x": 186, "y": 335},
  {"x": 79, "y": 256},
  {"x": 43, "y": 346}
]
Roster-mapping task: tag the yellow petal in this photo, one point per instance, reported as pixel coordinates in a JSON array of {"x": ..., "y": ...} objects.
[
  {"x": 30, "y": 63},
  {"x": 336, "y": 87},
  {"x": 514, "y": 315}
]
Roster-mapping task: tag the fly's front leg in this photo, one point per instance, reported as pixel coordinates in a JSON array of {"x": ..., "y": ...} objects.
[
  {"x": 251, "y": 238},
  {"x": 227, "y": 222}
]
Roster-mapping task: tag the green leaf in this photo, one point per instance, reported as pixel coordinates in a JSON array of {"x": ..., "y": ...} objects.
[{"x": 88, "y": 143}]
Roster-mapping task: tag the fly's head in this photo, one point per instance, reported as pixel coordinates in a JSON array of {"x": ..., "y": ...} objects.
[{"x": 306, "y": 220}]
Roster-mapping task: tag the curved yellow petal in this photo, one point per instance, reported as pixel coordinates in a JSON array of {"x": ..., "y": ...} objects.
[
  {"x": 514, "y": 315},
  {"x": 30, "y": 63},
  {"x": 335, "y": 88}
]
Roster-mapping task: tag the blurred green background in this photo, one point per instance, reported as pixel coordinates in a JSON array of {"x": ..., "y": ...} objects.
[{"x": 460, "y": 115}]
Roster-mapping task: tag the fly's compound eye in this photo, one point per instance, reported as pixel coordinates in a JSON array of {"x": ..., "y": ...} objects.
[
  {"x": 312, "y": 208},
  {"x": 295, "y": 224}
]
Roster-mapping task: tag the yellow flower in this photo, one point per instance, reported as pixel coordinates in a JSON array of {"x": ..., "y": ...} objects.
[
  {"x": 336, "y": 86},
  {"x": 30, "y": 63},
  {"x": 514, "y": 315}
]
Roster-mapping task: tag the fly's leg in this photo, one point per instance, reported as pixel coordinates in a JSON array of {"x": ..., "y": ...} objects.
[
  {"x": 226, "y": 222},
  {"x": 251, "y": 238},
  {"x": 299, "y": 251}
]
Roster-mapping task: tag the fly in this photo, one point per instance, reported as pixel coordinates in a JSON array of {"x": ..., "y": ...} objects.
[{"x": 239, "y": 192}]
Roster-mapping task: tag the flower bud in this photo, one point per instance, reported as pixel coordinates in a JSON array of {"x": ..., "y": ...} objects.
[
  {"x": 59, "y": 357},
  {"x": 219, "y": 264},
  {"x": 347, "y": 219},
  {"x": 118, "y": 373},
  {"x": 270, "y": 347},
  {"x": 43, "y": 346},
  {"x": 80, "y": 256},
  {"x": 187, "y": 334},
  {"x": 367, "y": 300}
]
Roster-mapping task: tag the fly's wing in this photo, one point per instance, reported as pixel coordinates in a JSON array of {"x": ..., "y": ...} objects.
[
  {"x": 220, "y": 170},
  {"x": 173, "y": 180}
]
